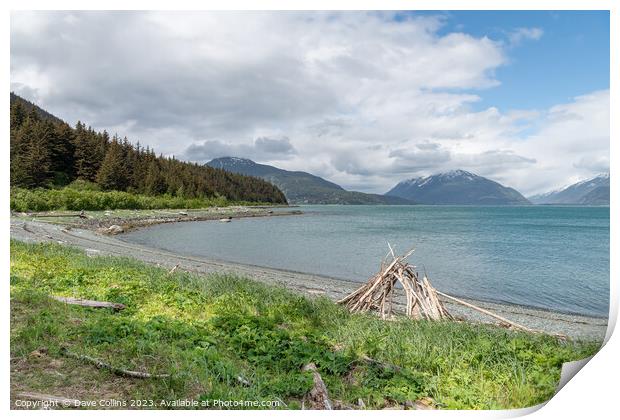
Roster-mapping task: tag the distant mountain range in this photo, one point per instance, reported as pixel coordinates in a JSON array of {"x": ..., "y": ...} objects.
[
  {"x": 302, "y": 187},
  {"x": 457, "y": 187},
  {"x": 593, "y": 191}
]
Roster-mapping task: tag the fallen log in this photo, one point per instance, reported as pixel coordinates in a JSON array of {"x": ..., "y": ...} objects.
[
  {"x": 89, "y": 303},
  {"x": 319, "y": 397},
  {"x": 62, "y": 401},
  {"x": 484, "y": 311},
  {"x": 118, "y": 371}
]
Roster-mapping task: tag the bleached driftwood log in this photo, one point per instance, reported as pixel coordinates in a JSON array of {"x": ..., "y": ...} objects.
[
  {"x": 319, "y": 397},
  {"x": 103, "y": 365},
  {"x": 89, "y": 303}
]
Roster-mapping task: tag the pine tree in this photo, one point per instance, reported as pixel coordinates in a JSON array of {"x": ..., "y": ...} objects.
[
  {"x": 112, "y": 174},
  {"x": 154, "y": 183},
  {"x": 63, "y": 153},
  {"x": 30, "y": 163},
  {"x": 82, "y": 153},
  {"x": 18, "y": 115}
]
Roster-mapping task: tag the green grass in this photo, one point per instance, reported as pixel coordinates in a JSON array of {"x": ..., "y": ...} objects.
[
  {"x": 208, "y": 330},
  {"x": 69, "y": 198}
]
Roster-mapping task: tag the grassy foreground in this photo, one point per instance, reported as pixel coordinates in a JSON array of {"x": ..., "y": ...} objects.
[{"x": 206, "y": 331}]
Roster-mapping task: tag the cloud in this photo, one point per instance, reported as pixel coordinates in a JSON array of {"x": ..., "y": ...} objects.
[
  {"x": 521, "y": 34},
  {"x": 223, "y": 74},
  {"x": 420, "y": 156},
  {"x": 274, "y": 146},
  {"x": 262, "y": 149},
  {"x": 361, "y": 98},
  {"x": 571, "y": 144},
  {"x": 593, "y": 163},
  {"x": 492, "y": 160}
]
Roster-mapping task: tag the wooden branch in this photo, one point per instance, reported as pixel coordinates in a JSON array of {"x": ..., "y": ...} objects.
[
  {"x": 484, "y": 311},
  {"x": 391, "y": 250},
  {"x": 103, "y": 365},
  {"x": 62, "y": 401},
  {"x": 319, "y": 397},
  {"x": 89, "y": 303}
]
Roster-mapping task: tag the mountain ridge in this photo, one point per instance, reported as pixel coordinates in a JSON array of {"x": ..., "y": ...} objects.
[
  {"x": 302, "y": 187},
  {"x": 592, "y": 191},
  {"x": 458, "y": 187}
]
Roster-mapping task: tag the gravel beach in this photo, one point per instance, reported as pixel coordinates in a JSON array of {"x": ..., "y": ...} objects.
[{"x": 85, "y": 236}]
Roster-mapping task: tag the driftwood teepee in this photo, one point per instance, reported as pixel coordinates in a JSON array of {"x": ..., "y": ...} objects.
[
  {"x": 422, "y": 299},
  {"x": 378, "y": 293}
]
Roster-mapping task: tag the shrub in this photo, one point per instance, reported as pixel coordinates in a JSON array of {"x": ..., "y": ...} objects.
[{"x": 81, "y": 195}]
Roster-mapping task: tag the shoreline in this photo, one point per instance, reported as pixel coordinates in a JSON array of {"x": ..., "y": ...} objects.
[
  {"x": 94, "y": 243},
  {"x": 101, "y": 221}
]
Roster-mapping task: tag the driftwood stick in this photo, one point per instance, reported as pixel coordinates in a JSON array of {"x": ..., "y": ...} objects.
[
  {"x": 103, "y": 365},
  {"x": 484, "y": 311},
  {"x": 352, "y": 295},
  {"x": 408, "y": 254},
  {"x": 89, "y": 303},
  {"x": 318, "y": 394},
  {"x": 391, "y": 250},
  {"x": 173, "y": 269},
  {"x": 377, "y": 282},
  {"x": 62, "y": 401}
]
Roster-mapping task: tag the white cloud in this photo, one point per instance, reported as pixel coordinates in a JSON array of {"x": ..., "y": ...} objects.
[
  {"x": 356, "y": 97},
  {"x": 262, "y": 149},
  {"x": 520, "y": 34},
  {"x": 572, "y": 143}
]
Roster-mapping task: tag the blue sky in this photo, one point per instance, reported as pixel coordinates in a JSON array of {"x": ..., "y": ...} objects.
[{"x": 571, "y": 58}]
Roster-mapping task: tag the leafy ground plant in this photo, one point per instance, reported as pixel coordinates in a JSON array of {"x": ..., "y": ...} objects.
[{"x": 226, "y": 338}]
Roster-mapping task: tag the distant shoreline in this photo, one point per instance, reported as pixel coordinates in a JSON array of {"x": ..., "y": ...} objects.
[
  {"x": 572, "y": 325},
  {"x": 102, "y": 220}
]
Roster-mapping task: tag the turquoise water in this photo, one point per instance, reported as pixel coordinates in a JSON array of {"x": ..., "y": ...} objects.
[{"x": 555, "y": 258}]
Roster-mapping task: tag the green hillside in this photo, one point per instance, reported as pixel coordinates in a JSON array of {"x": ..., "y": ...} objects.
[{"x": 48, "y": 153}]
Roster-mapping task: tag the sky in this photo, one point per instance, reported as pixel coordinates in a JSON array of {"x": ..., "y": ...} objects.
[{"x": 364, "y": 99}]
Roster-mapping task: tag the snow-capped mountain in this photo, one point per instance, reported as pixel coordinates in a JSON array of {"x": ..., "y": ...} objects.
[
  {"x": 457, "y": 187},
  {"x": 593, "y": 191}
]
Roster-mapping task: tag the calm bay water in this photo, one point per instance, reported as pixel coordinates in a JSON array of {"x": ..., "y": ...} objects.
[{"x": 548, "y": 257}]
